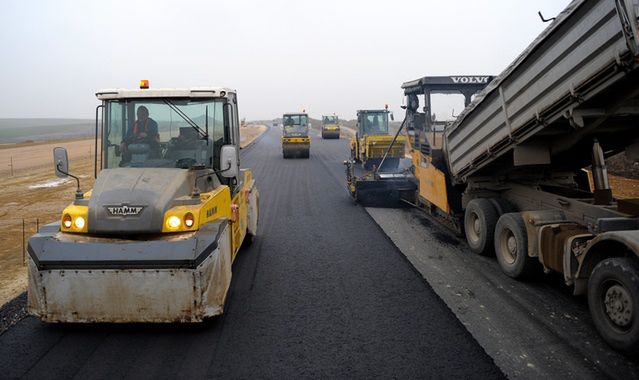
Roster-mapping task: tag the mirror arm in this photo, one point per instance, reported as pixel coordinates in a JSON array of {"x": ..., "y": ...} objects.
[
  {"x": 78, "y": 192},
  {"x": 196, "y": 190}
]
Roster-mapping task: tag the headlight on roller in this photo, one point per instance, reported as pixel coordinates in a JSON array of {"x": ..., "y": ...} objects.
[
  {"x": 173, "y": 222},
  {"x": 67, "y": 221},
  {"x": 189, "y": 220},
  {"x": 79, "y": 222},
  {"x": 75, "y": 219}
]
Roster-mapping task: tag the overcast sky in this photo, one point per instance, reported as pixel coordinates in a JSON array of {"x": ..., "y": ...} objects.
[{"x": 324, "y": 56}]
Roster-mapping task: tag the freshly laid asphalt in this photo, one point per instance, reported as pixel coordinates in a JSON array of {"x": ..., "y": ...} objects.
[{"x": 322, "y": 292}]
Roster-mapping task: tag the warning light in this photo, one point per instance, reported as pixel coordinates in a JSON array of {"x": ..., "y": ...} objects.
[
  {"x": 144, "y": 83},
  {"x": 386, "y": 106}
]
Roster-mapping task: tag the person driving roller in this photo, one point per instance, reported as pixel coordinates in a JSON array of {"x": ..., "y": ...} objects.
[{"x": 143, "y": 131}]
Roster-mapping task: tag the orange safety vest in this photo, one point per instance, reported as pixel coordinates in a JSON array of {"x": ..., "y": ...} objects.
[{"x": 136, "y": 127}]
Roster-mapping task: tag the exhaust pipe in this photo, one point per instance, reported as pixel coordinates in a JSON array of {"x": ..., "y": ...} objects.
[{"x": 603, "y": 194}]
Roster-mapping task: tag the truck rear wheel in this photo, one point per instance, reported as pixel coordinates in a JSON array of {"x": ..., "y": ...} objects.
[
  {"x": 511, "y": 246},
  {"x": 479, "y": 225},
  {"x": 613, "y": 299}
]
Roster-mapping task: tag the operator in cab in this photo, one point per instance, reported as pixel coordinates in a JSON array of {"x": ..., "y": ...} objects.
[{"x": 143, "y": 131}]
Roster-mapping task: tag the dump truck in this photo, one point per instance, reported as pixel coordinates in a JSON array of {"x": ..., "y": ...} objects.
[
  {"x": 509, "y": 172},
  {"x": 373, "y": 140},
  {"x": 330, "y": 127},
  {"x": 155, "y": 239},
  {"x": 295, "y": 139}
]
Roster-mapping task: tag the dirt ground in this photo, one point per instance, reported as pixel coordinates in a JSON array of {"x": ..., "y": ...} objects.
[
  {"x": 34, "y": 196},
  {"x": 36, "y": 155}
]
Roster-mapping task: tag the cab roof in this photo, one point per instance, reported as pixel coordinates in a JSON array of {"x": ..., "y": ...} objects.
[
  {"x": 372, "y": 111},
  {"x": 193, "y": 92}
]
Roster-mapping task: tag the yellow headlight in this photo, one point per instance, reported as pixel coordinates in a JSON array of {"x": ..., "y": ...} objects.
[
  {"x": 67, "y": 221},
  {"x": 189, "y": 220},
  {"x": 79, "y": 222},
  {"x": 173, "y": 222}
]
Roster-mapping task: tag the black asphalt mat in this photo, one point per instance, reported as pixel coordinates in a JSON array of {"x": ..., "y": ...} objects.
[{"x": 321, "y": 293}]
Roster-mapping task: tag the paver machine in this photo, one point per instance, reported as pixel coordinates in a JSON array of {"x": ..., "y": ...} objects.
[
  {"x": 330, "y": 127},
  {"x": 296, "y": 143},
  {"x": 155, "y": 238},
  {"x": 372, "y": 140}
]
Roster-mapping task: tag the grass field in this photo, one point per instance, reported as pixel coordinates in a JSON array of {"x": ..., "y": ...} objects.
[{"x": 21, "y": 130}]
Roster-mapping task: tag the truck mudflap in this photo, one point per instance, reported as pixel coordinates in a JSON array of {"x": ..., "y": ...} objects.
[{"x": 89, "y": 279}]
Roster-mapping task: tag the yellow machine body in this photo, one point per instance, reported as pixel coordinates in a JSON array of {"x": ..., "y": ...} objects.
[{"x": 432, "y": 181}]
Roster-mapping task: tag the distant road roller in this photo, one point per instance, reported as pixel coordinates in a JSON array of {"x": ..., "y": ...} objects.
[
  {"x": 155, "y": 239},
  {"x": 295, "y": 139},
  {"x": 330, "y": 127},
  {"x": 372, "y": 141}
]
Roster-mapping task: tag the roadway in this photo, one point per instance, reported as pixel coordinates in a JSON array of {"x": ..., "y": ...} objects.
[{"x": 322, "y": 292}]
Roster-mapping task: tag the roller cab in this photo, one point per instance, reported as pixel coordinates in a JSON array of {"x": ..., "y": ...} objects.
[{"x": 372, "y": 140}]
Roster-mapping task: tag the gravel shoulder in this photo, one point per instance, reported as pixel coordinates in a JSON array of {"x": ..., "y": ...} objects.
[{"x": 532, "y": 329}]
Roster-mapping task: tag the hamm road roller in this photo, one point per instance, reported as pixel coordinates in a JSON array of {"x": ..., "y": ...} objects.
[
  {"x": 330, "y": 127},
  {"x": 295, "y": 139},
  {"x": 155, "y": 238}
]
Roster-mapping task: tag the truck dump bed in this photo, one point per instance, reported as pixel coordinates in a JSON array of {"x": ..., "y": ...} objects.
[{"x": 578, "y": 80}]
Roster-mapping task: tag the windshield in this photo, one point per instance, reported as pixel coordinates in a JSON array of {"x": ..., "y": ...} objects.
[
  {"x": 330, "y": 120},
  {"x": 163, "y": 133},
  {"x": 374, "y": 123},
  {"x": 295, "y": 125}
]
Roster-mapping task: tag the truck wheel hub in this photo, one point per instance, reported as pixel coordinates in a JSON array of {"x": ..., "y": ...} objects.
[
  {"x": 618, "y": 305},
  {"x": 512, "y": 246},
  {"x": 476, "y": 226}
]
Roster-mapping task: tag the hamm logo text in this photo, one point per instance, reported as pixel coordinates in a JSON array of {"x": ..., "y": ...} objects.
[{"x": 124, "y": 210}]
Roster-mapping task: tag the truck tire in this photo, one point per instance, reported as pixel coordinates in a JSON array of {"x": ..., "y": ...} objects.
[
  {"x": 511, "y": 246},
  {"x": 613, "y": 299},
  {"x": 479, "y": 225},
  {"x": 502, "y": 206}
]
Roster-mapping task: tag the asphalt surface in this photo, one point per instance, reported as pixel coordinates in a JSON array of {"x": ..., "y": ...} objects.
[
  {"x": 322, "y": 292},
  {"x": 534, "y": 329}
]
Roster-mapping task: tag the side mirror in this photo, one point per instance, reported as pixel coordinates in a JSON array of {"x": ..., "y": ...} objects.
[
  {"x": 228, "y": 161},
  {"x": 61, "y": 162},
  {"x": 392, "y": 117}
]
